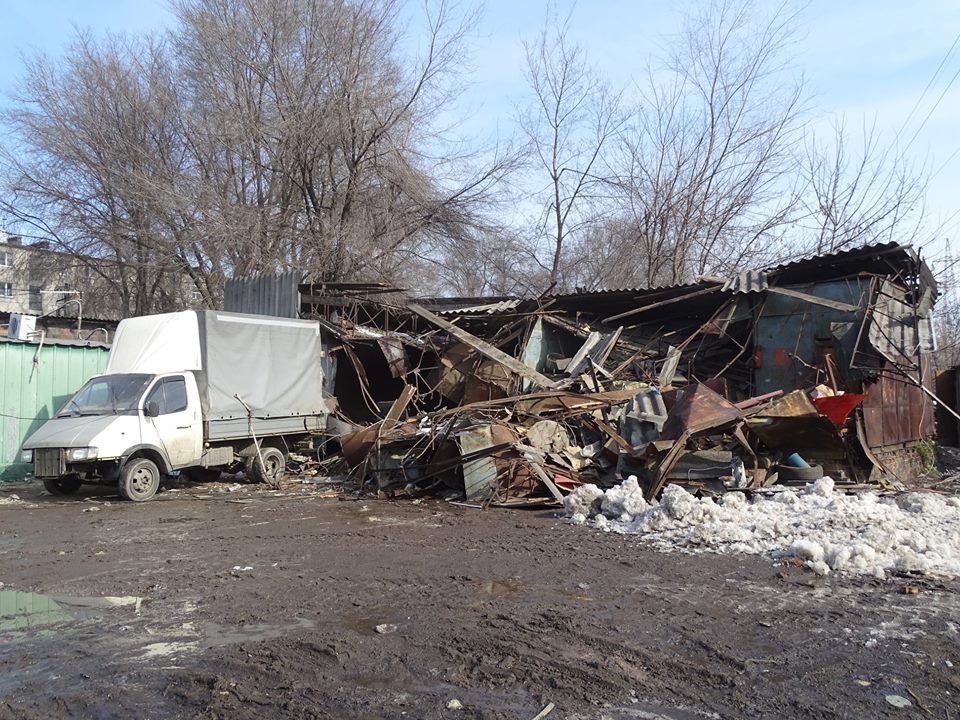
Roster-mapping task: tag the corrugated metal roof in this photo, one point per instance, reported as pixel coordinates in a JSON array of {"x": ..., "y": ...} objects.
[
  {"x": 848, "y": 254},
  {"x": 626, "y": 291},
  {"x": 487, "y": 309},
  {"x": 750, "y": 281},
  {"x": 67, "y": 342},
  {"x": 755, "y": 280}
]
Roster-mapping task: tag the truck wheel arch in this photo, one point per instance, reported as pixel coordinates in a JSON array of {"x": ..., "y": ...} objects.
[{"x": 150, "y": 452}]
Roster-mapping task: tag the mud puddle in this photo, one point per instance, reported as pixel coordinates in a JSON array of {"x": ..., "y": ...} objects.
[
  {"x": 25, "y": 611},
  {"x": 191, "y": 639},
  {"x": 652, "y": 711},
  {"x": 21, "y": 612}
]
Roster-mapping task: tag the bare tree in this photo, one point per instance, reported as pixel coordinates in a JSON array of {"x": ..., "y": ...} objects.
[
  {"x": 96, "y": 138},
  {"x": 706, "y": 181},
  {"x": 572, "y": 120},
  {"x": 258, "y": 135},
  {"x": 861, "y": 195}
]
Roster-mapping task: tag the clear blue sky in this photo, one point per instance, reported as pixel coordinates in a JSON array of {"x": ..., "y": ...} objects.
[{"x": 861, "y": 58}]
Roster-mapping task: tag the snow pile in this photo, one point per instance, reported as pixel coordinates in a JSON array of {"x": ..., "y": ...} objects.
[{"x": 829, "y": 530}]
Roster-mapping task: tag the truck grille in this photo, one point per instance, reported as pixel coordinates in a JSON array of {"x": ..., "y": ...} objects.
[{"x": 48, "y": 462}]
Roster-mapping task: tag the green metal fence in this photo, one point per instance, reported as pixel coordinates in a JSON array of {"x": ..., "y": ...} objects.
[{"x": 35, "y": 382}]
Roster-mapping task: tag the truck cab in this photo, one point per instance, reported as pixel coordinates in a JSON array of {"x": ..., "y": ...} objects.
[{"x": 114, "y": 421}]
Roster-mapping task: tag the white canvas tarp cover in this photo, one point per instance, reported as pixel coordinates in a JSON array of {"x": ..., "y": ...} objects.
[
  {"x": 273, "y": 364},
  {"x": 156, "y": 344}
]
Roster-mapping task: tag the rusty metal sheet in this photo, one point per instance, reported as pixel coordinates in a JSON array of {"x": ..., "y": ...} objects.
[
  {"x": 503, "y": 474},
  {"x": 395, "y": 355},
  {"x": 491, "y": 381},
  {"x": 896, "y": 411},
  {"x": 795, "y": 404},
  {"x": 698, "y": 409}
]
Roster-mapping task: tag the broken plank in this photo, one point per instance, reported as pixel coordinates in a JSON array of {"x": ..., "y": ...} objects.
[
  {"x": 813, "y": 299},
  {"x": 613, "y": 434},
  {"x": 483, "y": 347},
  {"x": 396, "y": 410},
  {"x": 545, "y": 479}
]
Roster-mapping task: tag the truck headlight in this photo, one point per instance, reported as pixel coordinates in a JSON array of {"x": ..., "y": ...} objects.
[
  {"x": 81, "y": 454},
  {"x": 26, "y": 456}
]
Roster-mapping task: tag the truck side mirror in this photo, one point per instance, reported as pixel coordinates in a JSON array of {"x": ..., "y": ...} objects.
[{"x": 151, "y": 409}]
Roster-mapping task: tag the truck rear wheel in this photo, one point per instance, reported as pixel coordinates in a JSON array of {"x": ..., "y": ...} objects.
[
  {"x": 66, "y": 485},
  {"x": 271, "y": 472},
  {"x": 139, "y": 480}
]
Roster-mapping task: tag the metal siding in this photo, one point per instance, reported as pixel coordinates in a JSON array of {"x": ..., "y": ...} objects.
[
  {"x": 790, "y": 325},
  {"x": 275, "y": 295},
  {"x": 29, "y": 396},
  {"x": 873, "y": 414},
  {"x": 896, "y": 412}
]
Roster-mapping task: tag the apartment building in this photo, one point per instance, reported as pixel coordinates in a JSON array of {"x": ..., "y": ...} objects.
[{"x": 37, "y": 280}]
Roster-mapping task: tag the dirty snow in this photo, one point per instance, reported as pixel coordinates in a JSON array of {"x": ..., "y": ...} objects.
[{"x": 829, "y": 530}]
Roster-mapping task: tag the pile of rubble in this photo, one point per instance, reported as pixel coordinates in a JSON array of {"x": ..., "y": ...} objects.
[
  {"x": 536, "y": 448},
  {"x": 778, "y": 376}
]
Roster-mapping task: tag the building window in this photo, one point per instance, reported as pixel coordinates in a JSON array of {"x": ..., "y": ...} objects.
[
  {"x": 36, "y": 299},
  {"x": 6, "y": 289},
  {"x": 5, "y": 259}
]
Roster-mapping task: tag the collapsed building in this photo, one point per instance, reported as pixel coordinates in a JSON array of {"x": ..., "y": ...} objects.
[{"x": 817, "y": 366}]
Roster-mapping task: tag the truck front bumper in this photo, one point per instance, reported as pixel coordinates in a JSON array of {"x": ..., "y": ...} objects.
[{"x": 57, "y": 462}]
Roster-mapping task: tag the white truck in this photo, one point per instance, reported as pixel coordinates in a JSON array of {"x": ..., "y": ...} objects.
[{"x": 199, "y": 392}]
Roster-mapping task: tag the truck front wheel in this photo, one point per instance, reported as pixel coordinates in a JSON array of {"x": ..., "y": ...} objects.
[
  {"x": 66, "y": 485},
  {"x": 139, "y": 480}
]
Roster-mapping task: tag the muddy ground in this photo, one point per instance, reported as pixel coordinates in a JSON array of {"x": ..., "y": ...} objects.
[{"x": 212, "y": 603}]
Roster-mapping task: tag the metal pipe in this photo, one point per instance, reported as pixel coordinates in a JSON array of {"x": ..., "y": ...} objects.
[{"x": 64, "y": 303}]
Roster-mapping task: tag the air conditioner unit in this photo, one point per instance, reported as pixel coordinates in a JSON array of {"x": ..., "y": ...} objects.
[{"x": 21, "y": 326}]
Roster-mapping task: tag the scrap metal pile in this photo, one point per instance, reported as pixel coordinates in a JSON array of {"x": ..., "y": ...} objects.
[{"x": 814, "y": 367}]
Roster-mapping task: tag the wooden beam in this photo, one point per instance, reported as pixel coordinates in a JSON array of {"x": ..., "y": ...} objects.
[
  {"x": 396, "y": 410},
  {"x": 483, "y": 347},
  {"x": 813, "y": 299},
  {"x": 545, "y": 479}
]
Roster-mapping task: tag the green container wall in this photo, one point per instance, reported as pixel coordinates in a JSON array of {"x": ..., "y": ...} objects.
[{"x": 31, "y": 394}]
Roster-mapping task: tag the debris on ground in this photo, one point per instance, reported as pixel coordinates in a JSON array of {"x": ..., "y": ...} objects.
[{"x": 770, "y": 378}]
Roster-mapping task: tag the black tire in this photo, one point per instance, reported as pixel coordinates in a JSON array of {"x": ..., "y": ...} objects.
[
  {"x": 139, "y": 480},
  {"x": 274, "y": 463},
  {"x": 66, "y": 485},
  {"x": 790, "y": 474}
]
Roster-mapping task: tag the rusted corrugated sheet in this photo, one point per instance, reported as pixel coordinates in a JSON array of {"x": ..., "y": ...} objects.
[
  {"x": 275, "y": 295},
  {"x": 896, "y": 411}
]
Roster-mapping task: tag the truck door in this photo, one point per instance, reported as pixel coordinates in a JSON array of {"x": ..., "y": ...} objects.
[{"x": 177, "y": 428}]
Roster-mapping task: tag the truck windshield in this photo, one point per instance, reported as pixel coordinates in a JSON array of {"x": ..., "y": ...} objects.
[{"x": 107, "y": 395}]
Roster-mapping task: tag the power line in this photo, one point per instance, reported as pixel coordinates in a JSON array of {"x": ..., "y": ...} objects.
[
  {"x": 935, "y": 106},
  {"x": 933, "y": 79}
]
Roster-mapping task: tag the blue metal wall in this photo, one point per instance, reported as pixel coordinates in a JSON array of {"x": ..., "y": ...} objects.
[{"x": 790, "y": 326}]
